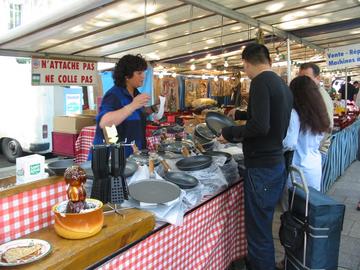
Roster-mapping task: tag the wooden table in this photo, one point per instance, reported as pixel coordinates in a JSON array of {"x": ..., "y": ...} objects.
[{"x": 117, "y": 232}]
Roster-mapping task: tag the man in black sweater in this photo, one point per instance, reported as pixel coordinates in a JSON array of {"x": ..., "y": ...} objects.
[{"x": 268, "y": 116}]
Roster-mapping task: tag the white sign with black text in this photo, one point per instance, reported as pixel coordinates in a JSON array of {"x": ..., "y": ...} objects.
[
  {"x": 343, "y": 57},
  {"x": 62, "y": 72}
]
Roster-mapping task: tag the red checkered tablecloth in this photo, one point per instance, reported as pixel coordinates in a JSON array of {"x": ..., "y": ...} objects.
[
  {"x": 86, "y": 137},
  {"x": 83, "y": 144},
  {"x": 212, "y": 236},
  {"x": 29, "y": 211}
]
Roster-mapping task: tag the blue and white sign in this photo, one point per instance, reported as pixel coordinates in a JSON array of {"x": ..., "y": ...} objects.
[
  {"x": 73, "y": 100},
  {"x": 343, "y": 57}
]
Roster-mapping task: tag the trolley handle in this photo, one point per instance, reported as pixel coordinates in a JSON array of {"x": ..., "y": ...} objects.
[{"x": 293, "y": 169}]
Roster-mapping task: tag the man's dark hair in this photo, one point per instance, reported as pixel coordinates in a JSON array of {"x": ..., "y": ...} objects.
[
  {"x": 310, "y": 106},
  {"x": 256, "y": 54},
  {"x": 126, "y": 67},
  {"x": 315, "y": 68},
  {"x": 348, "y": 79},
  {"x": 356, "y": 82}
]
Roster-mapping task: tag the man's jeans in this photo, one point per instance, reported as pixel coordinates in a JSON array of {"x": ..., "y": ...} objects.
[{"x": 263, "y": 189}]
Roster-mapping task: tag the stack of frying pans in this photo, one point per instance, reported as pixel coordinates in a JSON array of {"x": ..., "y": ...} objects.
[{"x": 204, "y": 136}]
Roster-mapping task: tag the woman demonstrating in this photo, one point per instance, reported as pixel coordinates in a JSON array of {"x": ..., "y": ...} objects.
[
  {"x": 123, "y": 105},
  {"x": 308, "y": 122}
]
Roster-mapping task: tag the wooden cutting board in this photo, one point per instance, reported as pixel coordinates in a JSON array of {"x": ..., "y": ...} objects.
[{"x": 117, "y": 232}]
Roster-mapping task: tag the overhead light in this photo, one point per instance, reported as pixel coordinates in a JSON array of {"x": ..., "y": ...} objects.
[
  {"x": 203, "y": 77},
  {"x": 225, "y": 78},
  {"x": 226, "y": 64},
  {"x": 216, "y": 78},
  {"x": 161, "y": 75},
  {"x": 173, "y": 75},
  {"x": 208, "y": 65},
  {"x": 192, "y": 67}
]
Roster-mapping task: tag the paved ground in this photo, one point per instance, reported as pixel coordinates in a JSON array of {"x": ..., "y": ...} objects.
[{"x": 346, "y": 190}]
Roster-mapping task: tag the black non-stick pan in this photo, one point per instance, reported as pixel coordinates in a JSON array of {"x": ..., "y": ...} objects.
[
  {"x": 194, "y": 163},
  {"x": 213, "y": 153},
  {"x": 59, "y": 166},
  {"x": 182, "y": 179},
  {"x": 130, "y": 168},
  {"x": 219, "y": 154},
  {"x": 216, "y": 121}
]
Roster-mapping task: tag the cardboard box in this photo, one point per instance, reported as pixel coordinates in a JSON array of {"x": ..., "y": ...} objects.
[
  {"x": 73, "y": 124},
  {"x": 30, "y": 168},
  {"x": 89, "y": 112}
]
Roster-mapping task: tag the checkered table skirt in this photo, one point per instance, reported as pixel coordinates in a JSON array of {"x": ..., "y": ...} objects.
[
  {"x": 29, "y": 211},
  {"x": 86, "y": 137},
  {"x": 211, "y": 237}
]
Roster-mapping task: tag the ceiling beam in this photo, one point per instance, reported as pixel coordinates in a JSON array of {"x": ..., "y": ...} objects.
[
  {"x": 17, "y": 53},
  {"x": 240, "y": 17}
]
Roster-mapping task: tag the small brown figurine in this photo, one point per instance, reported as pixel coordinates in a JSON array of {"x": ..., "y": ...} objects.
[{"x": 75, "y": 177}]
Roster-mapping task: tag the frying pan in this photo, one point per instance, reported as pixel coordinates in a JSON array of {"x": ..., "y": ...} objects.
[
  {"x": 176, "y": 146},
  {"x": 201, "y": 130},
  {"x": 194, "y": 163},
  {"x": 59, "y": 166},
  {"x": 183, "y": 180},
  {"x": 141, "y": 156},
  {"x": 130, "y": 168},
  {"x": 152, "y": 190},
  {"x": 214, "y": 153},
  {"x": 216, "y": 121}
]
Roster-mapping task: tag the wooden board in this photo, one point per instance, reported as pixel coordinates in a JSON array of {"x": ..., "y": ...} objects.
[{"x": 117, "y": 232}]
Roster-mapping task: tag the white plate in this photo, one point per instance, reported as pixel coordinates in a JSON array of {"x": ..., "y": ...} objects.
[{"x": 45, "y": 250}]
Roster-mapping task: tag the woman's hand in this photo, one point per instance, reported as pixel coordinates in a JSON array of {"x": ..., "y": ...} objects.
[{"x": 139, "y": 101}]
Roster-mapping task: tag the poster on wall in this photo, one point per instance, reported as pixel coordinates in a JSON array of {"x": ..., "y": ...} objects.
[
  {"x": 62, "y": 72},
  {"x": 194, "y": 89},
  {"x": 190, "y": 92},
  {"x": 216, "y": 88},
  {"x": 169, "y": 88},
  {"x": 227, "y": 87}
]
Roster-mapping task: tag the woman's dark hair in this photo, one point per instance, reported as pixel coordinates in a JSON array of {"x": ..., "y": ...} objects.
[
  {"x": 126, "y": 67},
  {"x": 310, "y": 105}
]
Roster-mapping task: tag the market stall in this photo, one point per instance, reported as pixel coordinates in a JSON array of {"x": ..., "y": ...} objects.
[{"x": 212, "y": 233}]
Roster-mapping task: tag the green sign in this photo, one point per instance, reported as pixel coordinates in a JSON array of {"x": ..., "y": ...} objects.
[
  {"x": 35, "y": 79},
  {"x": 35, "y": 169}
]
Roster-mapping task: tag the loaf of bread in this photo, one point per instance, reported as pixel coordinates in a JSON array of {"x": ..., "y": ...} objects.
[{"x": 13, "y": 255}]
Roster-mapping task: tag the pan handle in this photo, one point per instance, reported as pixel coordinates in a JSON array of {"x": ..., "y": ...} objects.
[
  {"x": 135, "y": 149},
  {"x": 200, "y": 147},
  {"x": 185, "y": 151},
  {"x": 151, "y": 167},
  {"x": 165, "y": 165}
]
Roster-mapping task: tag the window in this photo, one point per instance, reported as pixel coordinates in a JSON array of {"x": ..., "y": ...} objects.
[{"x": 15, "y": 15}]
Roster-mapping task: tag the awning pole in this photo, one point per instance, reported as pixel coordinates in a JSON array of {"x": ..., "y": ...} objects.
[
  {"x": 288, "y": 61},
  {"x": 346, "y": 87}
]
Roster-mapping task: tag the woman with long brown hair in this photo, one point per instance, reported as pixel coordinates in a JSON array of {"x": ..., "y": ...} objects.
[{"x": 308, "y": 123}]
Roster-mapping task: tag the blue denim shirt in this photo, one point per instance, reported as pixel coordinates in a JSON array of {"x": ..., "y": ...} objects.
[{"x": 132, "y": 128}]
